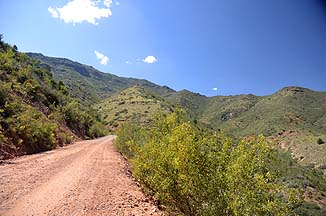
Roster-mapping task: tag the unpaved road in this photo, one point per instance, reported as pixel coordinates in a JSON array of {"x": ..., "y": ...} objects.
[{"x": 86, "y": 178}]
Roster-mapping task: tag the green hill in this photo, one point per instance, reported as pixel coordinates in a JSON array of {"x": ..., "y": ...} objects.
[
  {"x": 88, "y": 84},
  {"x": 194, "y": 103},
  {"x": 134, "y": 104},
  {"x": 292, "y": 108}
]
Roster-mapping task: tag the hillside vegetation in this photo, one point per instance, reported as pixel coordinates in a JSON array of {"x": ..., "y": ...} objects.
[
  {"x": 135, "y": 104},
  {"x": 292, "y": 108},
  {"x": 88, "y": 84},
  {"x": 36, "y": 112}
]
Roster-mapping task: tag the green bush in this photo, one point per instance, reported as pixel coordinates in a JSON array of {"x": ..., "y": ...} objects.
[
  {"x": 205, "y": 174},
  {"x": 64, "y": 138},
  {"x": 33, "y": 131},
  {"x": 3, "y": 96},
  {"x": 129, "y": 139},
  {"x": 97, "y": 129},
  {"x": 2, "y": 136},
  {"x": 76, "y": 119},
  {"x": 57, "y": 116}
]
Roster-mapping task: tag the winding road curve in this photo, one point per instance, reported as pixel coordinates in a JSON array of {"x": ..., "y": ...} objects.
[{"x": 85, "y": 178}]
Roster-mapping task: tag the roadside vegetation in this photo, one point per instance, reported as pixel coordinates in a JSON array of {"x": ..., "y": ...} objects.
[
  {"x": 197, "y": 173},
  {"x": 37, "y": 112}
]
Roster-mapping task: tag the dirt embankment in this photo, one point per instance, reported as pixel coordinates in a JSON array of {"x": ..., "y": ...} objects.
[{"x": 86, "y": 178}]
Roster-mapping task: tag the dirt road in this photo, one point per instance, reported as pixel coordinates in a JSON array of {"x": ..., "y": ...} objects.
[{"x": 86, "y": 178}]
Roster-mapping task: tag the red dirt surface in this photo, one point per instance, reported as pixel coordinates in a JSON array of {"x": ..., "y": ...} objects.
[{"x": 86, "y": 178}]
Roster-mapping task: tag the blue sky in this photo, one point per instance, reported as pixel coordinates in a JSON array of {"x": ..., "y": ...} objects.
[{"x": 232, "y": 46}]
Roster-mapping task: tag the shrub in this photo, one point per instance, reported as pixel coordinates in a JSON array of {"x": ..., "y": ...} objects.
[
  {"x": 97, "y": 129},
  {"x": 204, "y": 174},
  {"x": 3, "y": 95},
  {"x": 83, "y": 122},
  {"x": 129, "y": 139},
  {"x": 57, "y": 116},
  {"x": 64, "y": 138},
  {"x": 76, "y": 119},
  {"x": 31, "y": 129},
  {"x": 2, "y": 136}
]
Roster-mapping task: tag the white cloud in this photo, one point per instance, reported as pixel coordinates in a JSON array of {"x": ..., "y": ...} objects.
[
  {"x": 78, "y": 11},
  {"x": 103, "y": 59},
  {"x": 214, "y": 89},
  {"x": 128, "y": 62},
  {"x": 117, "y": 3},
  {"x": 150, "y": 59},
  {"x": 53, "y": 12}
]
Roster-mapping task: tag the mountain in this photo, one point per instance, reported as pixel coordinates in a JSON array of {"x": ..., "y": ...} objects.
[
  {"x": 88, "y": 84},
  {"x": 292, "y": 108},
  {"x": 294, "y": 117}
]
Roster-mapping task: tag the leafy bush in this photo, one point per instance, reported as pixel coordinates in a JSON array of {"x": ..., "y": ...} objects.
[
  {"x": 2, "y": 136},
  {"x": 3, "y": 96},
  {"x": 57, "y": 116},
  {"x": 63, "y": 138},
  {"x": 129, "y": 139},
  {"x": 97, "y": 129},
  {"x": 205, "y": 174},
  {"x": 75, "y": 118},
  {"x": 34, "y": 132},
  {"x": 83, "y": 123}
]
